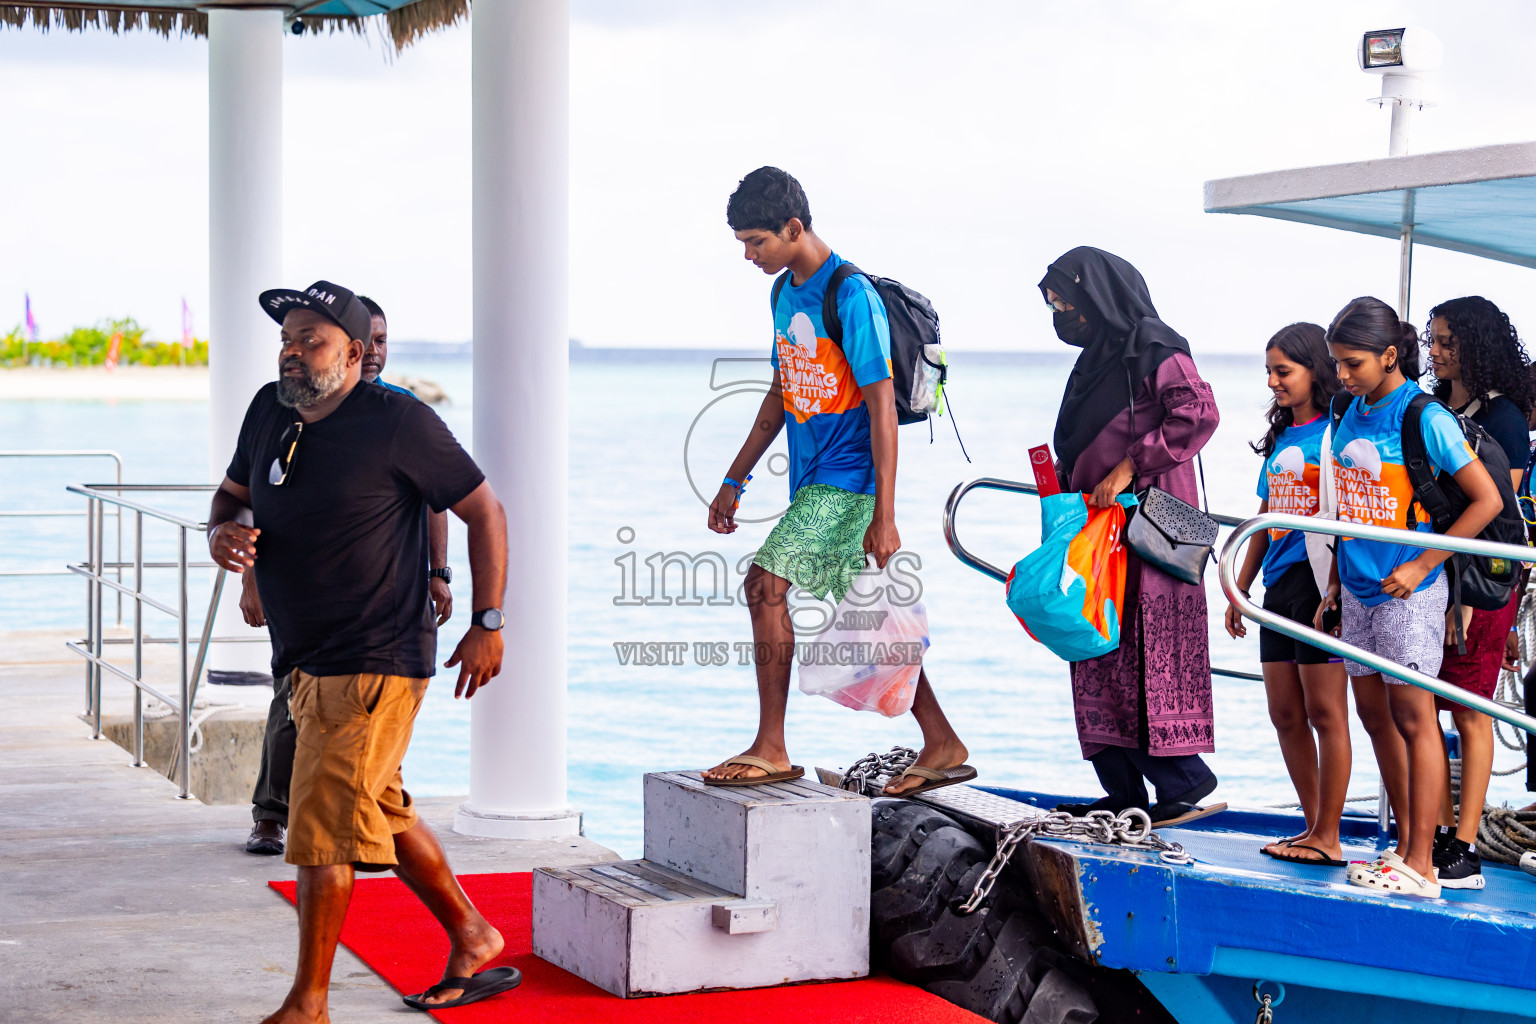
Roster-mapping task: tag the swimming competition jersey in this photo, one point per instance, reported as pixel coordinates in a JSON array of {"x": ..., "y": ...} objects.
[
  {"x": 1373, "y": 485},
  {"x": 824, "y": 412},
  {"x": 1289, "y": 482}
]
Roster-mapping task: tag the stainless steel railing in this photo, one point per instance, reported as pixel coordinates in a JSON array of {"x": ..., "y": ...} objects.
[
  {"x": 964, "y": 554},
  {"x": 55, "y": 569},
  {"x": 102, "y": 501},
  {"x": 1325, "y": 641}
]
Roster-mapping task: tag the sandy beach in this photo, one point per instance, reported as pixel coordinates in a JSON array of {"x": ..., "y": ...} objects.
[{"x": 96, "y": 383}]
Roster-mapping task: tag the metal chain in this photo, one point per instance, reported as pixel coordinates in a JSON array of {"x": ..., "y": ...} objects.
[
  {"x": 1267, "y": 1002},
  {"x": 1132, "y": 827},
  {"x": 873, "y": 772}
]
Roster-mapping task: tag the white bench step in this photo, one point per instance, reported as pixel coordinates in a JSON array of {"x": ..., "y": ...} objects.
[{"x": 740, "y": 887}]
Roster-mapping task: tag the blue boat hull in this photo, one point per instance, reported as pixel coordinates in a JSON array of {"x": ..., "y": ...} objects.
[{"x": 1200, "y": 936}]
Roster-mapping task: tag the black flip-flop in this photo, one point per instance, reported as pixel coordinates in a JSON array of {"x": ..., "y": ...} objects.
[
  {"x": 481, "y": 986},
  {"x": 1322, "y": 859},
  {"x": 1278, "y": 842}
]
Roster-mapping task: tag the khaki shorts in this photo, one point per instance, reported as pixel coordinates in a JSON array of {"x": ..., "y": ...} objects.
[{"x": 346, "y": 802}]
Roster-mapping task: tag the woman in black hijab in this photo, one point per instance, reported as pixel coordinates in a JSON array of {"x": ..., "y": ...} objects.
[{"x": 1134, "y": 414}]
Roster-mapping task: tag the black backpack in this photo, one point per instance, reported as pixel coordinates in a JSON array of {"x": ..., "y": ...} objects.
[
  {"x": 913, "y": 324},
  {"x": 1476, "y": 580}
]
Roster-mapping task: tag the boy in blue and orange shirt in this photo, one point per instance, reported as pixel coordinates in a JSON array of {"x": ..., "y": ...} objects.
[{"x": 838, "y": 405}]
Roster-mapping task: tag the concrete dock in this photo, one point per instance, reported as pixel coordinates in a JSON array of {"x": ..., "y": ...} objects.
[{"x": 119, "y": 902}]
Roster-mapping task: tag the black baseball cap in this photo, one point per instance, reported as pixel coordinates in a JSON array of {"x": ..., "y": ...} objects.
[{"x": 337, "y": 304}]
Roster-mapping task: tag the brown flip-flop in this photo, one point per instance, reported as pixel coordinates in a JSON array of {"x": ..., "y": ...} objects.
[
  {"x": 1193, "y": 814},
  {"x": 773, "y": 773},
  {"x": 933, "y": 778}
]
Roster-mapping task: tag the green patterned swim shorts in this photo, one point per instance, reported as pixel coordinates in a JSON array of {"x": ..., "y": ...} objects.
[{"x": 818, "y": 544}]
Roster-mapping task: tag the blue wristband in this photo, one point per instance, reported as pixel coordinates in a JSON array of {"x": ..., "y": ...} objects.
[{"x": 733, "y": 483}]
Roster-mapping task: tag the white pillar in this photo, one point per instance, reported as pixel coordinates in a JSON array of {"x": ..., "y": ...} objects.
[
  {"x": 517, "y": 784},
  {"x": 245, "y": 249}
]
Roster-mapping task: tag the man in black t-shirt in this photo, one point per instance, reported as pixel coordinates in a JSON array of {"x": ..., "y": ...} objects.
[
  {"x": 337, "y": 478},
  {"x": 269, "y": 800}
]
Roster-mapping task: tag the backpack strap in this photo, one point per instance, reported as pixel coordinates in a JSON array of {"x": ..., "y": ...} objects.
[
  {"x": 829, "y": 318},
  {"x": 778, "y": 286},
  {"x": 1338, "y": 405},
  {"x": 1427, "y": 493}
]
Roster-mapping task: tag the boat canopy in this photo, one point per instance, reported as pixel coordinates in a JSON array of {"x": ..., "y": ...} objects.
[{"x": 1480, "y": 201}]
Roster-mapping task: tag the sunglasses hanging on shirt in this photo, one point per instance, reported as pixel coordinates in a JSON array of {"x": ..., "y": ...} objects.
[{"x": 287, "y": 446}]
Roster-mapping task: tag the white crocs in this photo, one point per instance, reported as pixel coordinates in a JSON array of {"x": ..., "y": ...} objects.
[
  {"x": 1387, "y": 857},
  {"x": 1396, "y": 878}
]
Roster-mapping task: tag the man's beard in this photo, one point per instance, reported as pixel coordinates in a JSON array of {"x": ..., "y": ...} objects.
[{"x": 310, "y": 390}]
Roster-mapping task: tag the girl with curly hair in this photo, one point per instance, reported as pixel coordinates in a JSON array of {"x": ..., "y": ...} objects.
[
  {"x": 1306, "y": 687},
  {"x": 1481, "y": 371}
]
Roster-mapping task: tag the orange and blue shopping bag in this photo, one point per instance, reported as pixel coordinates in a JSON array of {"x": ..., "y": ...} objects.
[{"x": 1068, "y": 592}]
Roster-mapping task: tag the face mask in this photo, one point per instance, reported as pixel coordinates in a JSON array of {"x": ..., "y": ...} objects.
[{"x": 1071, "y": 328}]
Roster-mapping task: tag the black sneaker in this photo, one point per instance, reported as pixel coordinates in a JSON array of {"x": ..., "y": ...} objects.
[
  {"x": 1445, "y": 842},
  {"x": 1460, "y": 867}
]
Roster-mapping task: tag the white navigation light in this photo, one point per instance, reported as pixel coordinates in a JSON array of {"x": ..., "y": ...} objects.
[
  {"x": 1402, "y": 57},
  {"x": 1382, "y": 49},
  {"x": 1400, "y": 51}
]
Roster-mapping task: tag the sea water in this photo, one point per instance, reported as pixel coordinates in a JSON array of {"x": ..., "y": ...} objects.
[{"x": 651, "y": 435}]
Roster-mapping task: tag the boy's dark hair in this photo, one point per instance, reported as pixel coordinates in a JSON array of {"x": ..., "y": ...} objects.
[
  {"x": 1305, "y": 345},
  {"x": 1492, "y": 357},
  {"x": 374, "y": 309},
  {"x": 1370, "y": 325},
  {"x": 765, "y": 200}
]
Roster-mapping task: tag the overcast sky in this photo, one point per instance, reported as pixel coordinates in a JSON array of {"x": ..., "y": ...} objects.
[{"x": 956, "y": 146}]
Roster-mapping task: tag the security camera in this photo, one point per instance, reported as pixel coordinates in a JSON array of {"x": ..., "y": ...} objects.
[{"x": 298, "y": 26}]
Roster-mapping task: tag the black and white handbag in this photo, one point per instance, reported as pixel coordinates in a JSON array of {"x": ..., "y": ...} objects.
[{"x": 1169, "y": 533}]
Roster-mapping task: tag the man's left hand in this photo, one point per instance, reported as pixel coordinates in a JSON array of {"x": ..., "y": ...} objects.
[
  {"x": 881, "y": 539},
  {"x": 442, "y": 598},
  {"x": 480, "y": 654}
]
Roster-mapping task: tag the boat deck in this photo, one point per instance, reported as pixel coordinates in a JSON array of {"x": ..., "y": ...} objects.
[{"x": 1202, "y": 932}]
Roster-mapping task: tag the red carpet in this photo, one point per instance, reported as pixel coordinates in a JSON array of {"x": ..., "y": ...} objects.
[{"x": 394, "y": 934}]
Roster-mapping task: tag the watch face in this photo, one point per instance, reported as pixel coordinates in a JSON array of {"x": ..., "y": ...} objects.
[{"x": 491, "y": 619}]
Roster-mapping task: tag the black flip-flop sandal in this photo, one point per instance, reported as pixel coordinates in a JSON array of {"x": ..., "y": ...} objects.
[
  {"x": 481, "y": 986},
  {"x": 1278, "y": 842},
  {"x": 1322, "y": 859}
]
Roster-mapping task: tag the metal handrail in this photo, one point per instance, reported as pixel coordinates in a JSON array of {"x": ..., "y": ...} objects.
[
  {"x": 80, "y": 453},
  {"x": 1330, "y": 643},
  {"x": 95, "y": 569},
  {"x": 952, "y": 538},
  {"x": 93, "y": 491}
]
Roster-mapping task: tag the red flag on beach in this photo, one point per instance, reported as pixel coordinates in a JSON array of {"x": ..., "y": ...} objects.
[{"x": 114, "y": 347}]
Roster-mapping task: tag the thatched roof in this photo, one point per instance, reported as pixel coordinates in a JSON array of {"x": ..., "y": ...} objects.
[{"x": 405, "y": 23}]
